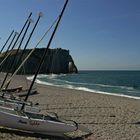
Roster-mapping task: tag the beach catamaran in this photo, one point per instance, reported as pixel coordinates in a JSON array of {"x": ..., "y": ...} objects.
[
  {"x": 6, "y": 97},
  {"x": 32, "y": 122}
]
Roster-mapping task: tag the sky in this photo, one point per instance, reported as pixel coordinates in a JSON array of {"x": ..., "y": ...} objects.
[{"x": 100, "y": 34}]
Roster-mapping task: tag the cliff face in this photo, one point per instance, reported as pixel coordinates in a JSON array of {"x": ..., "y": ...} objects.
[{"x": 57, "y": 61}]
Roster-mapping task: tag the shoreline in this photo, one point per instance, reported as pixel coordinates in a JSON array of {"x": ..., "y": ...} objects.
[
  {"x": 86, "y": 90},
  {"x": 107, "y": 117},
  {"x": 96, "y": 92}
]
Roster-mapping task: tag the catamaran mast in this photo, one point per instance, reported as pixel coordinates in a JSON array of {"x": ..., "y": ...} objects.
[
  {"x": 15, "y": 45},
  {"x": 17, "y": 50},
  {"x": 6, "y": 41},
  {"x": 22, "y": 28},
  {"x": 21, "y": 32},
  {"x": 1, "y": 66},
  {"x": 43, "y": 57},
  {"x": 6, "y": 55},
  {"x": 31, "y": 52},
  {"x": 13, "y": 61},
  {"x": 40, "y": 15}
]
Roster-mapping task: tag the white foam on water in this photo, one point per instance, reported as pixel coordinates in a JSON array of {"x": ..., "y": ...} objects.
[
  {"x": 81, "y": 88},
  {"x": 44, "y": 83},
  {"x": 30, "y": 77},
  {"x": 107, "y": 93}
]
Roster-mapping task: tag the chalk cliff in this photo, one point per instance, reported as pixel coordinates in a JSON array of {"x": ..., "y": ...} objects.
[{"x": 57, "y": 61}]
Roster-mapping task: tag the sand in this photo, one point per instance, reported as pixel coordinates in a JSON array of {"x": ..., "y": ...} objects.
[{"x": 107, "y": 117}]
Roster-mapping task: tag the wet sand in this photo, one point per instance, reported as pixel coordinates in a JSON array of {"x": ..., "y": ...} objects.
[{"x": 107, "y": 117}]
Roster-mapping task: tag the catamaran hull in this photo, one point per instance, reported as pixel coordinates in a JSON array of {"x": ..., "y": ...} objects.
[
  {"x": 40, "y": 126},
  {"x": 18, "y": 106}
]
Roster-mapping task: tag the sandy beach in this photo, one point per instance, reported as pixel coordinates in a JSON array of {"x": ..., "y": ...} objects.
[{"x": 107, "y": 117}]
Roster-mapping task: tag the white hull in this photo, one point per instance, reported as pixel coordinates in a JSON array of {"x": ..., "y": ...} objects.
[
  {"x": 17, "y": 105},
  {"x": 45, "y": 125}
]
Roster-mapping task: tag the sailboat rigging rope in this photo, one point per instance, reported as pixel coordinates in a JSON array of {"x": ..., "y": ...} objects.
[
  {"x": 9, "y": 80},
  {"x": 47, "y": 32}
]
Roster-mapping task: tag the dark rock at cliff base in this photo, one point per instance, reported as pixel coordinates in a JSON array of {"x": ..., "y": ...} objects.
[{"x": 57, "y": 61}]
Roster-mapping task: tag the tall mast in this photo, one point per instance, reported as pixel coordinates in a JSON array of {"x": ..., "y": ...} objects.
[
  {"x": 8, "y": 49},
  {"x": 22, "y": 29},
  {"x": 40, "y": 15},
  {"x": 6, "y": 42},
  {"x": 17, "y": 50},
  {"x": 27, "y": 57},
  {"x": 13, "y": 61},
  {"x": 43, "y": 57},
  {"x": 21, "y": 32},
  {"x": 15, "y": 45},
  {"x": 6, "y": 55}
]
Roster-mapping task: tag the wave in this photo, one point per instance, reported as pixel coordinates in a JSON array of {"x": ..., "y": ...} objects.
[
  {"x": 107, "y": 93},
  {"x": 55, "y": 76},
  {"x": 30, "y": 78},
  {"x": 83, "y": 88},
  {"x": 44, "y": 83},
  {"x": 50, "y": 76}
]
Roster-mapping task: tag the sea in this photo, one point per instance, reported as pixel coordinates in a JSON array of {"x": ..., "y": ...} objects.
[{"x": 117, "y": 83}]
